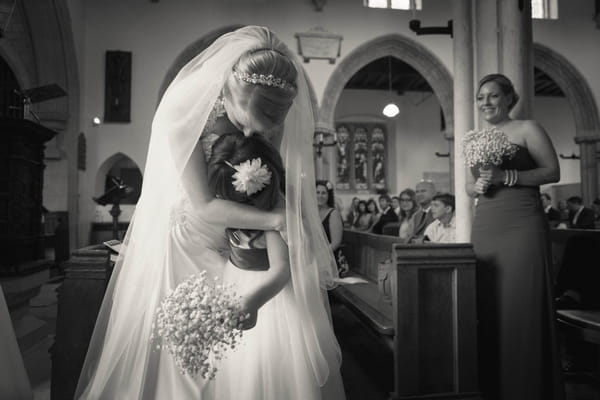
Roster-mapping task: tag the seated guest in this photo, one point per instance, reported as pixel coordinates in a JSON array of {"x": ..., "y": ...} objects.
[
  {"x": 409, "y": 212},
  {"x": 352, "y": 215},
  {"x": 552, "y": 214},
  {"x": 332, "y": 222},
  {"x": 563, "y": 209},
  {"x": 580, "y": 217},
  {"x": 443, "y": 229},
  {"x": 396, "y": 205},
  {"x": 387, "y": 214},
  {"x": 367, "y": 215},
  {"x": 596, "y": 208},
  {"x": 425, "y": 190},
  {"x": 577, "y": 283}
]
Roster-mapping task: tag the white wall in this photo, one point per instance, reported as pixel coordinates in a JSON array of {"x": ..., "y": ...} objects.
[{"x": 157, "y": 32}]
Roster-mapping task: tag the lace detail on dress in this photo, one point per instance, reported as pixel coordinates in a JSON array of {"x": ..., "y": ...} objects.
[{"x": 209, "y": 136}]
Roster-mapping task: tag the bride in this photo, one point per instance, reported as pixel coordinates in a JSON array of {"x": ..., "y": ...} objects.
[{"x": 246, "y": 81}]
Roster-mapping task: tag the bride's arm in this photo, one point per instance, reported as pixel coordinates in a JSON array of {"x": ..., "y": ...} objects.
[
  {"x": 273, "y": 280},
  {"x": 223, "y": 212}
]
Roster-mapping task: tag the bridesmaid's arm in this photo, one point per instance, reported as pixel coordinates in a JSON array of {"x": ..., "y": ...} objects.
[
  {"x": 224, "y": 212},
  {"x": 273, "y": 280},
  {"x": 475, "y": 187},
  {"x": 542, "y": 151}
]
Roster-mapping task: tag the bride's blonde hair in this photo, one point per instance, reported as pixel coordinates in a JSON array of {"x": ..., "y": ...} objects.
[{"x": 269, "y": 97}]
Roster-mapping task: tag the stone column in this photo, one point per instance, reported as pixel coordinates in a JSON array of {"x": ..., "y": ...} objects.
[
  {"x": 463, "y": 111},
  {"x": 589, "y": 167},
  {"x": 516, "y": 56},
  {"x": 503, "y": 40}
]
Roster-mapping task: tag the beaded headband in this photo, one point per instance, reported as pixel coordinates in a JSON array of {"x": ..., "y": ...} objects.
[{"x": 264, "y": 80}]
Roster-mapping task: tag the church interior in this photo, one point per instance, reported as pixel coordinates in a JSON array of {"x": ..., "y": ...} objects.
[{"x": 80, "y": 82}]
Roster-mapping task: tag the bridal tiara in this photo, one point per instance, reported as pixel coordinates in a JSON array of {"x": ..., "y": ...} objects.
[{"x": 264, "y": 80}]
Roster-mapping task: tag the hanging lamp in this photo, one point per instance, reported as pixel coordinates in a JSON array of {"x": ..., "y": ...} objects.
[{"x": 391, "y": 109}]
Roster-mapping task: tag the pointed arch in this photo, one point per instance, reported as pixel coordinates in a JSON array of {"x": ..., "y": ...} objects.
[{"x": 402, "y": 48}]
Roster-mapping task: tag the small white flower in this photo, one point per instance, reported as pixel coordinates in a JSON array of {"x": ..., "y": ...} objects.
[{"x": 251, "y": 176}]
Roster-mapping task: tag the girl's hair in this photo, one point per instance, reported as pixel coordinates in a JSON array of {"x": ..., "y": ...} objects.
[
  {"x": 269, "y": 104},
  {"x": 505, "y": 85},
  {"x": 371, "y": 201},
  {"x": 329, "y": 187},
  {"x": 364, "y": 203},
  {"x": 235, "y": 148},
  {"x": 413, "y": 198}
]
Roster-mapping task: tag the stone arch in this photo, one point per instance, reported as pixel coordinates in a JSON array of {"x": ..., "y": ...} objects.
[
  {"x": 402, "y": 48},
  {"x": 41, "y": 52},
  {"x": 574, "y": 86},
  {"x": 198, "y": 46},
  {"x": 585, "y": 113}
]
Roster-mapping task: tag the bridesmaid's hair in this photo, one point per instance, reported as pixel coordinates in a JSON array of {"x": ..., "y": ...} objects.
[
  {"x": 329, "y": 187},
  {"x": 269, "y": 104},
  {"x": 235, "y": 148},
  {"x": 505, "y": 85}
]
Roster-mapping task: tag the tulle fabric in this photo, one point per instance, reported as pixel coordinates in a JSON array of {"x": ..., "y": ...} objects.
[
  {"x": 167, "y": 241},
  {"x": 14, "y": 383}
]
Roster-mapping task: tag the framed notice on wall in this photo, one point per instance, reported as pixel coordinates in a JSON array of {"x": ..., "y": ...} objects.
[{"x": 117, "y": 87}]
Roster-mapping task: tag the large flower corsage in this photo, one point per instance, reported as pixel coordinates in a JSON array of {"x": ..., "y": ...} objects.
[
  {"x": 198, "y": 323},
  {"x": 251, "y": 176}
]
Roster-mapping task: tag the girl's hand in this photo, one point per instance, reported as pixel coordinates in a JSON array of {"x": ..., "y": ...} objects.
[
  {"x": 251, "y": 313},
  {"x": 493, "y": 174},
  {"x": 481, "y": 185}
]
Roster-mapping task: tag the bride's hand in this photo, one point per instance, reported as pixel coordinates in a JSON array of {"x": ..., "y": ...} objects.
[{"x": 250, "y": 312}]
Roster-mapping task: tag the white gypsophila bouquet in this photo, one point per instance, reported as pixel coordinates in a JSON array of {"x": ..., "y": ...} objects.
[
  {"x": 487, "y": 147},
  {"x": 198, "y": 323}
]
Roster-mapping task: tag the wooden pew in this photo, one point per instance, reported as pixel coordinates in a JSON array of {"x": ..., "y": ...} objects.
[
  {"x": 87, "y": 273},
  {"x": 432, "y": 325}
]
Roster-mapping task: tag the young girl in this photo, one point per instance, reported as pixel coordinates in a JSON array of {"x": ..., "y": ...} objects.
[{"x": 272, "y": 361}]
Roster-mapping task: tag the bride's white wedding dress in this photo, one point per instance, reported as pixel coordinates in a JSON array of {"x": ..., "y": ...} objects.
[{"x": 167, "y": 241}]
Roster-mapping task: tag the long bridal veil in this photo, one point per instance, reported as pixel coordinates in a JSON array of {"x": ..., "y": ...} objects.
[{"x": 121, "y": 358}]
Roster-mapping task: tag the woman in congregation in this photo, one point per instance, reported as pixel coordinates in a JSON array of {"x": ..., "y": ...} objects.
[
  {"x": 248, "y": 82},
  {"x": 363, "y": 218},
  {"x": 332, "y": 223},
  {"x": 410, "y": 211},
  {"x": 510, "y": 235}
]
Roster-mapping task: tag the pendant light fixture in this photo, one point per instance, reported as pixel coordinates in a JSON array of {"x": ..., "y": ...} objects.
[{"x": 391, "y": 109}]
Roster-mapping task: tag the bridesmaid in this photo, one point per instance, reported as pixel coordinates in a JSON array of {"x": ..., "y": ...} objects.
[{"x": 518, "y": 349}]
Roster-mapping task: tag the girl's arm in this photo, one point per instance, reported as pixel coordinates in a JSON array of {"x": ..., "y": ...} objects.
[
  {"x": 336, "y": 229},
  {"x": 273, "y": 280},
  {"x": 224, "y": 212}
]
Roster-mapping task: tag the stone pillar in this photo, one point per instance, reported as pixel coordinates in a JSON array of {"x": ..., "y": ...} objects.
[
  {"x": 516, "y": 56},
  {"x": 504, "y": 45},
  {"x": 589, "y": 167},
  {"x": 463, "y": 110}
]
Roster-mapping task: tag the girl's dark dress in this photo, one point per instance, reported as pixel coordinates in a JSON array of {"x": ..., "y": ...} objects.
[{"x": 517, "y": 341}]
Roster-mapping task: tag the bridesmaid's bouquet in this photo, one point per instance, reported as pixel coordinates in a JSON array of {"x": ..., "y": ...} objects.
[
  {"x": 486, "y": 147},
  {"x": 198, "y": 323}
]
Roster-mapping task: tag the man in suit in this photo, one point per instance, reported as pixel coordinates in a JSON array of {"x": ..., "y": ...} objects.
[
  {"x": 580, "y": 217},
  {"x": 552, "y": 214},
  {"x": 425, "y": 191},
  {"x": 387, "y": 214}
]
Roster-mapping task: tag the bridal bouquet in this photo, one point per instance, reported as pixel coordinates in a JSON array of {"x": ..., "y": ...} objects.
[
  {"x": 487, "y": 147},
  {"x": 198, "y": 323}
]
